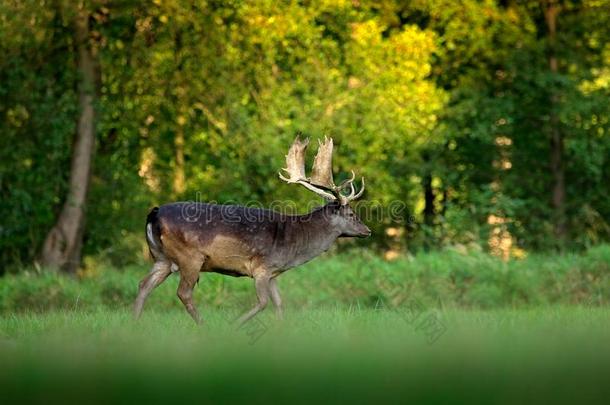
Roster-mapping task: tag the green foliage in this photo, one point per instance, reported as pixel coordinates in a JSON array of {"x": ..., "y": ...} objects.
[
  {"x": 455, "y": 91},
  {"x": 37, "y": 110},
  {"x": 443, "y": 279}
]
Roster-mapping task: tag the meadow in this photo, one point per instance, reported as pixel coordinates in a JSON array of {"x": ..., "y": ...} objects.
[
  {"x": 452, "y": 278},
  {"x": 451, "y": 326},
  {"x": 340, "y": 355}
]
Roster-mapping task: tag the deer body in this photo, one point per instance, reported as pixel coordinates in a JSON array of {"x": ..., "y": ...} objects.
[
  {"x": 242, "y": 242},
  {"x": 236, "y": 240}
]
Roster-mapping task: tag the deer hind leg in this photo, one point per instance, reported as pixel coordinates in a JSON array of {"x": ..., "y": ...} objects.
[
  {"x": 276, "y": 299},
  {"x": 161, "y": 269},
  {"x": 189, "y": 275},
  {"x": 261, "y": 284}
]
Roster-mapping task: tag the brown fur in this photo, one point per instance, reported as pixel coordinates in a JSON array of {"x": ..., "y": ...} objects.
[{"x": 239, "y": 241}]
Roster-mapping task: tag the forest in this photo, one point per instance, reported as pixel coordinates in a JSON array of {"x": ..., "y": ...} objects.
[{"x": 476, "y": 123}]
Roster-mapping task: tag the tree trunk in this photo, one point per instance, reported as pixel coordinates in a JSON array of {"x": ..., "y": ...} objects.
[
  {"x": 179, "y": 177},
  {"x": 62, "y": 247},
  {"x": 429, "y": 196},
  {"x": 558, "y": 196},
  {"x": 180, "y": 94},
  {"x": 429, "y": 209},
  {"x": 428, "y": 200}
]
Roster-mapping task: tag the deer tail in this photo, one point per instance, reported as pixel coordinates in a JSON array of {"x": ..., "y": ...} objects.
[{"x": 153, "y": 234}]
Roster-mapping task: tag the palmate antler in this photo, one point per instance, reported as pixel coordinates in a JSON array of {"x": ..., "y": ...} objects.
[{"x": 321, "y": 181}]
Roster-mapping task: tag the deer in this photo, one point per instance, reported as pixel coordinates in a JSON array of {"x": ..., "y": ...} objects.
[{"x": 194, "y": 237}]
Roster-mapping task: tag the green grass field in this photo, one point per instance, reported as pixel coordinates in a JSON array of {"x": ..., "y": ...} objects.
[
  {"x": 437, "y": 328},
  {"x": 345, "y": 355}
]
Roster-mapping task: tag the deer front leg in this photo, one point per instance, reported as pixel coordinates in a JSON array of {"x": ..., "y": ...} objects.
[
  {"x": 276, "y": 299},
  {"x": 261, "y": 283}
]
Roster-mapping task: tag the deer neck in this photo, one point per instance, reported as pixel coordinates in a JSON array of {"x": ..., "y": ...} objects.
[{"x": 309, "y": 236}]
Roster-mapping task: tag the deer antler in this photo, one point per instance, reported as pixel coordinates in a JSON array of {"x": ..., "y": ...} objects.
[
  {"x": 322, "y": 171},
  {"x": 295, "y": 161},
  {"x": 295, "y": 167},
  {"x": 321, "y": 181}
]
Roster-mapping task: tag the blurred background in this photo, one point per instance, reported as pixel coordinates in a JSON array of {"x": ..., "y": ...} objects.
[{"x": 488, "y": 120}]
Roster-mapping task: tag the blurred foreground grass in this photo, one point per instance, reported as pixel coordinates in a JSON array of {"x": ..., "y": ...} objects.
[{"x": 554, "y": 354}]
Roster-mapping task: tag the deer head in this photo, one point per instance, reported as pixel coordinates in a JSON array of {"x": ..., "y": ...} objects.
[{"x": 321, "y": 182}]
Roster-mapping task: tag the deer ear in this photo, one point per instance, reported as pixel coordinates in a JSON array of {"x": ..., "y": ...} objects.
[{"x": 334, "y": 205}]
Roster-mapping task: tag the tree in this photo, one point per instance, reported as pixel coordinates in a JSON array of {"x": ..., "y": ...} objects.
[
  {"x": 551, "y": 10},
  {"x": 63, "y": 244}
]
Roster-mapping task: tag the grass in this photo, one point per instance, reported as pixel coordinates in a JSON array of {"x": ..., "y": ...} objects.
[
  {"x": 452, "y": 326},
  {"x": 558, "y": 354},
  {"x": 448, "y": 279}
]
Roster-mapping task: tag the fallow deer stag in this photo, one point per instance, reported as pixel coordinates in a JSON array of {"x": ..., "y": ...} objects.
[{"x": 240, "y": 241}]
